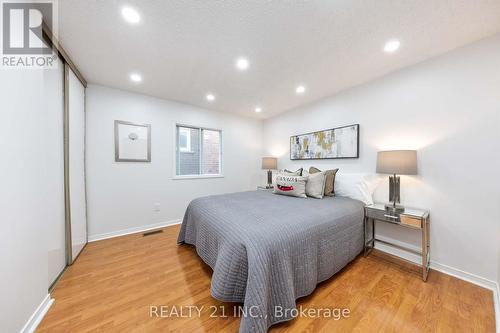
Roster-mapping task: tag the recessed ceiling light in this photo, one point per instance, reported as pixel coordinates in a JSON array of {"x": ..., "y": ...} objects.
[
  {"x": 392, "y": 46},
  {"x": 300, "y": 89},
  {"x": 210, "y": 97},
  {"x": 130, "y": 15},
  {"x": 134, "y": 77},
  {"x": 242, "y": 64},
  {"x": 258, "y": 109}
]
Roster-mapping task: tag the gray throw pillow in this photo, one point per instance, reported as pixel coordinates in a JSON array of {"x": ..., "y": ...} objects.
[
  {"x": 295, "y": 173},
  {"x": 315, "y": 185},
  {"x": 330, "y": 180},
  {"x": 291, "y": 185}
]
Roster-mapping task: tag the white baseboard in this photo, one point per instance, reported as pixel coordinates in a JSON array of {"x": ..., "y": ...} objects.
[
  {"x": 458, "y": 273},
  {"x": 496, "y": 300},
  {"x": 38, "y": 315},
  {"x": 129, "y": 231}
]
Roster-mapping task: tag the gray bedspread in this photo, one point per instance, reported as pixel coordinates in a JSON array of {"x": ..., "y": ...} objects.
[{"x": 267, "y": 250}]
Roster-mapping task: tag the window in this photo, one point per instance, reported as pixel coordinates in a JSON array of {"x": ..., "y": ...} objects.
[
  {"x": 184, "y": 139},
  {"x": 198, "y": 151}
]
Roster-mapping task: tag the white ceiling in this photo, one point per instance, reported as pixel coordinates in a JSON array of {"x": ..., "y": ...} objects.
[{"x": 185, "y": 49}]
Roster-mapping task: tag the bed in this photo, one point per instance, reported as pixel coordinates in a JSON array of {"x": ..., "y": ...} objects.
[{"x": 267, "y": 250}]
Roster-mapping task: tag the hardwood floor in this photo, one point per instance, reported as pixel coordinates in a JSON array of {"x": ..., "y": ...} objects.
[{"x": 114, "y": 282}]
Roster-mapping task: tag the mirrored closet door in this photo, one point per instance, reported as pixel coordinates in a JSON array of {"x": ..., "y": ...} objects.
[
  {"x": 76, "y": 205},
  {"x": 64, "y": 112},
  {"x": 53, "y": 115}
]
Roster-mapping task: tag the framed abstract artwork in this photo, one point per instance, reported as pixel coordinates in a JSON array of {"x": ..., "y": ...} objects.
[
  {"x": 132, "y": 142},
  {"x": 340, "y": 142}
]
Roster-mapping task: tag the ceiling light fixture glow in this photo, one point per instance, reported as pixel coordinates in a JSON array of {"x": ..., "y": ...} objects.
[
  {"x": 130, "y": 15},
  {"x": 242, "y": 64},
  {"x": 258, "y": 109},
  {"x": 134, "y": 77},
  {"x": 300, "y": 89},
  {"x": 210, "y": 97},
  {"x": 392, "y": 46}
]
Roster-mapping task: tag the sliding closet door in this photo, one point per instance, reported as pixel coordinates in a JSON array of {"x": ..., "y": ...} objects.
[
  {"x": 53, "y": 84},
  {"x": 75, "y": 165}
]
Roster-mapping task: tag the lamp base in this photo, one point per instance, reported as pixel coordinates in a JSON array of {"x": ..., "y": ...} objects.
[
  {"x": 394, "y": 186},
  {"x": 390, "y": 207},
  {"x": 269, "y": 179},
  {"x": 394, "y": 196}
]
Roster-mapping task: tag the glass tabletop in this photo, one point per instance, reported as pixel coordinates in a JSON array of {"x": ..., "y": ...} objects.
[{"x": 421, "y": 213}]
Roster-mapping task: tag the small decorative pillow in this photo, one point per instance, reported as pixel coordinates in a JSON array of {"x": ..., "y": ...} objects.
[
  {"x": 291, "y": 185},
  {"x": 315, "y": 185},
  {"x": 295, "y": 173},
  {"x": 330, "y": 180}
]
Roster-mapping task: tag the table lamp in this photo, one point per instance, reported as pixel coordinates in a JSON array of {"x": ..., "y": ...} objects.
[
  {"x": 269, "y": 163},
  {"x": 396, "y": 162}
]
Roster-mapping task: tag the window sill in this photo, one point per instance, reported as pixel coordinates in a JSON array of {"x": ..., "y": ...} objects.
[{"x": 197, "y": 177}]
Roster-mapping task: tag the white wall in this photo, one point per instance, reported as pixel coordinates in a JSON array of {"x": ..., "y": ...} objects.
[
  {"x": 449, "y": 109},
  {"x": 121, "y": 196},
  {"x": 26, "y": 195}
]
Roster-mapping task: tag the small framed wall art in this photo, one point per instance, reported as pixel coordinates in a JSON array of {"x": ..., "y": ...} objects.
[
  {"x": 132, "y": 142},
  {"x": 340, "y": 142}
]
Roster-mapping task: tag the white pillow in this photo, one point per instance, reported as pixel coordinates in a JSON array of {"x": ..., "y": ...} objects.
[
  {"x": 315, "y": 186},
  {"x": 291, "y": 185},
  {"x": 359, "y": 186}
]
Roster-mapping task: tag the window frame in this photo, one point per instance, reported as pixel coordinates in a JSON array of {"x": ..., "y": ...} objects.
[{"x": 176, "y": 152}]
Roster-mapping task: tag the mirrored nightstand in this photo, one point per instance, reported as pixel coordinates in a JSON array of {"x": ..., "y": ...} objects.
[{"x": 411, "y": 218}]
